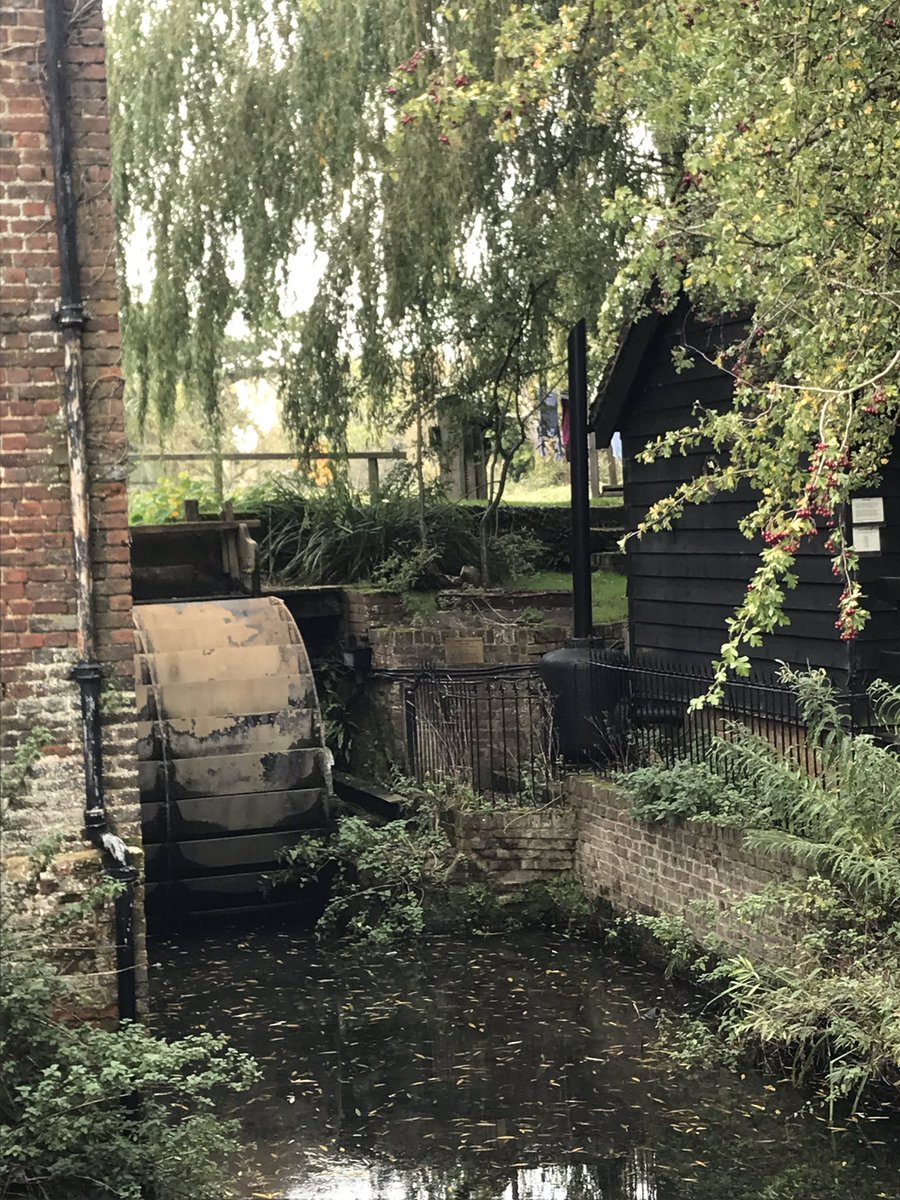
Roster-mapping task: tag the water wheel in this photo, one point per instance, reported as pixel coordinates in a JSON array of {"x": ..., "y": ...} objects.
[{"x": 231, "y": 755}]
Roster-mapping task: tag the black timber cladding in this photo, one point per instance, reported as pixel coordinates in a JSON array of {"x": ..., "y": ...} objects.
[{"x": 683, "y": 585}]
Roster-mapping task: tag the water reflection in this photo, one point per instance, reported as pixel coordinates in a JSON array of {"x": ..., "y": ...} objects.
[
  {"x": 630, "y": 1180},
  {"x": 517, "y": 1069}
]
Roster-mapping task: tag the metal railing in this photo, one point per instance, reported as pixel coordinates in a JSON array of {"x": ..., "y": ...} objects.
[
  {"x": 642, "y": 712},
  {"x": 498, "y": 731},
  {"x": 489, "y": 729}
]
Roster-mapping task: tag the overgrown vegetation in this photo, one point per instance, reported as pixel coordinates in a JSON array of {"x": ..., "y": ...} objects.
[
  {"x": 830, "y": 1008},
  {"x": 395, "y": 881},
  {"x": 164, "y": 501},
  {"x": 686, "y": 790},
  {"x": 337, "y": 535},
  {"x": 14, "y": 772},
  {"x": 87, "y": 1113}
]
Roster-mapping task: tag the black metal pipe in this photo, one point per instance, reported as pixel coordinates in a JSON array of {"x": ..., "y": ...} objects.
[
  {"x": 70, "y": 316},
  {"x": 582, "y": 609}
]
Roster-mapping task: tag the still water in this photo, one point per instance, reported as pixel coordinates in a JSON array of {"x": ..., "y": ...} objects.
[{"x": 507, "y": 1068}]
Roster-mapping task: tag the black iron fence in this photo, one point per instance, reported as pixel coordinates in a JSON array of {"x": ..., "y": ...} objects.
[
  {"x": 644, "y": 711},
  {"x": 489, "y": 729},
  {"x": 500, "y": 732}
]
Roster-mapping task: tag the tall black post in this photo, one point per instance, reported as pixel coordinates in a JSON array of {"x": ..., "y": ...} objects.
[{"x": 578, "y": 470}]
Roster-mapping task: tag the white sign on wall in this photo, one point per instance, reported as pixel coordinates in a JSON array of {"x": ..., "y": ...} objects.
[
  {"x": 867, "y": 510},
  {"x": 867, "y": 539}
]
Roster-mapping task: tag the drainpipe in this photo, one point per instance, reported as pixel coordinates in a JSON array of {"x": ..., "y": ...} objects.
[
  {"x": 578, "y": 467},
  {"x": 70, "y": 317}
]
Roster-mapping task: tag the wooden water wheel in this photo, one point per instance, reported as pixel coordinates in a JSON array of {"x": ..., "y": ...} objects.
[{"x": 232, "y": 760}]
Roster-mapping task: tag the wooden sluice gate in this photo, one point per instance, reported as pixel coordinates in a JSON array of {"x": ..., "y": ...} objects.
[{"x": 232, "y": 762}]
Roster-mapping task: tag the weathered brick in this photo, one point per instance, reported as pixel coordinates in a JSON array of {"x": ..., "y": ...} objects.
[
  {"x": 671, "y": 869},
  {"x": 36, "y": 568}
]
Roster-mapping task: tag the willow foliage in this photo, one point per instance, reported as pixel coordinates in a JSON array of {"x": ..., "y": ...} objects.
[
  {"x": 253, "y": 137},
  {"x": 771, "y": 127}
]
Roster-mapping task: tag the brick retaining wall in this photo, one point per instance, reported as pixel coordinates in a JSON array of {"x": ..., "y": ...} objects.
[
  {"x": 518, "y": 846},
  {"x": 467, "y": 631},
  {"x": 690, "y": 869}
]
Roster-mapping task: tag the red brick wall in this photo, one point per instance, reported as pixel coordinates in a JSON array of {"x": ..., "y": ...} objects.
[
  {"x": 690, "y": 869},
  {"x": 37, "y": 603}
]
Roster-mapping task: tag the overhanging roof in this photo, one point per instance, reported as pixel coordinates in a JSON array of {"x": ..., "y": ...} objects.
[{"x": 620, "y": 374}]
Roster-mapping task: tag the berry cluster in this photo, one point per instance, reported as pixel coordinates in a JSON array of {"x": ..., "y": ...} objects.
[
  {"x": 875, "y": 407},
  {"x": 409, "y": 67}
]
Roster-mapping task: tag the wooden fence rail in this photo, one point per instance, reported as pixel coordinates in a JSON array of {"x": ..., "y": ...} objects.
[{"x": 372, "y": 457}]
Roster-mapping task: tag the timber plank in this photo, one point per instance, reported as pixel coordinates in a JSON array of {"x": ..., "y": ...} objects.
[{"x": 215, "y": 816}]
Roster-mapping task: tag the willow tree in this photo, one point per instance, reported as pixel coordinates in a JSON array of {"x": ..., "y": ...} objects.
[
  {"x": 255, "y": 139},
  {"x": 774, "y": 129}
]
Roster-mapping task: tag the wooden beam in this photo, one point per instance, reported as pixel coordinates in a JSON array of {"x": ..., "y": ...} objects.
[{"x": 393, "y": 455}]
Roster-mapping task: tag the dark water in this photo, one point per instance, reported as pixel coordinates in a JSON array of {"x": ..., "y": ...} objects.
[{"x": 500, "y": 1069}]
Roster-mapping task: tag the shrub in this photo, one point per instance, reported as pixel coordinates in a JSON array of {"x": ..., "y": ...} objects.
[
  {"x": 514, "y": 555},
  {"x": 832, "y": 1010},
  {"x": 88, "y": 1113},
  {"x": 393, "y": 882},
  {"x": 686, "y": 790},
  {"x": 164, "y": 501},
  {"x": 378, "y": 875},
  {"x": 338, "y": 535}
]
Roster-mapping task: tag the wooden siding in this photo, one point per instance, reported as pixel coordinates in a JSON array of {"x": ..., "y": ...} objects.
[
  {"x": 878, "y": 650},
  {"x": 683, "y": 585}
]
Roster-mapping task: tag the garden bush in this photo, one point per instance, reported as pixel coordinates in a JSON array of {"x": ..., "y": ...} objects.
[
  {"x": 87, "y": 1113},
  {"x": 687, "y": 791},
  {"x": 830, "y": 1010},
  {"x": 164, "y": 501},
  {"x": 339, "y": 535}
]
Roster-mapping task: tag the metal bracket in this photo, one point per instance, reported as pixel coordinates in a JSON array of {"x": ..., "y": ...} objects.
[{"x": 70, "y": 316}]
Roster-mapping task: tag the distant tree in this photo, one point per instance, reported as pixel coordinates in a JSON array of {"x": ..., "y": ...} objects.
[
  {"x": 251, "y": 136},
  {"x": 768, "y": 130}
]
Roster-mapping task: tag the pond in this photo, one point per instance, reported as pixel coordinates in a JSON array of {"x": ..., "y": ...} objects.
[{"x": 505, "y": 1068}]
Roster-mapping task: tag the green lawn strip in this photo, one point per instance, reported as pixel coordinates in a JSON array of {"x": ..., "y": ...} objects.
[{"x": 607, "y": 591}]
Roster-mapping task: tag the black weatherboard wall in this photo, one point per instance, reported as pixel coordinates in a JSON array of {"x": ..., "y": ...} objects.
[{"x": 683, "y": 585}]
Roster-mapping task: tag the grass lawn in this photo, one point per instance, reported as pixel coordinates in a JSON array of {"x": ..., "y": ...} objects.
[
  {"x": 555, "y": 494},
  {"x": 607, "y": 590}
]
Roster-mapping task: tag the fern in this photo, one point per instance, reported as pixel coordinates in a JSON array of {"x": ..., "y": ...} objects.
[
  {"x": 842, "y": 816},
  {"x": 831, "y": 1010}
]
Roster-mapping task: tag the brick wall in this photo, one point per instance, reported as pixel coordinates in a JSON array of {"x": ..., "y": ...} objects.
[
  {"x": 517, "y": 846},
  {"x": 691, "y": 869},
  {"x": 464, "y": 632},
  {"x": 450, "y": 635},
  {"x": 37, "y": 602}
]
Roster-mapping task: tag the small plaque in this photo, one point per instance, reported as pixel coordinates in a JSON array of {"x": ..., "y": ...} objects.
[
  {"x": 867, "y": 539},
  {"x": 867, "y": 510},
  {"x": 464, "y": 651}
]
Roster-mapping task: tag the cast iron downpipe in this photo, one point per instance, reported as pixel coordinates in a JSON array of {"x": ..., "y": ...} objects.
[
  {"x": 582, "y": 614},
  {"x": 70, "y": 317}
]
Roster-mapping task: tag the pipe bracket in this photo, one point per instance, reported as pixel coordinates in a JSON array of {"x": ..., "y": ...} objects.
[{"x": 70, "y": 316}]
